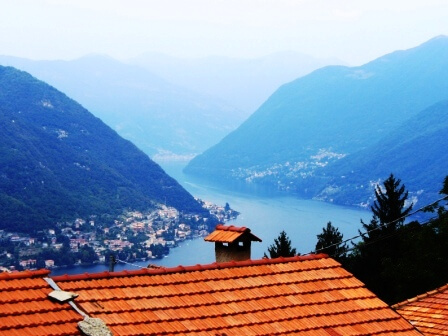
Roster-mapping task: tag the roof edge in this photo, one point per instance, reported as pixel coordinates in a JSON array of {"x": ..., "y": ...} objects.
[
  {"x": 181, "y": 269},
  {"x": 25, "y": 274},
  {"x": 419, "y": 297}
]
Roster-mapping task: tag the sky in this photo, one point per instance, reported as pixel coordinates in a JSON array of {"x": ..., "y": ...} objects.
[{"x": 354, "y": 31}]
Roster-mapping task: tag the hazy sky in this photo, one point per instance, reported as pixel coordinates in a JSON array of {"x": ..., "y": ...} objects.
[{"x": 355, "y": 31}]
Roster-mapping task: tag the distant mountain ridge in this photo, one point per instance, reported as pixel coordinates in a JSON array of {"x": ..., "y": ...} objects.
[
  {"x": 311, "y": 123},
  {"x": 165, "y": 120},
  {"x": 244, "y": 83},
  {"x": 58, "y": 161}
]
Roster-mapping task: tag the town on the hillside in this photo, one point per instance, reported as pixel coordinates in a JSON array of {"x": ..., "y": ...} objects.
[{"x": 134, "y": 236}]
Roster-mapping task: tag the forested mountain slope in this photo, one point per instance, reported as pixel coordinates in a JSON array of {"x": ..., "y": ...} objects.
[
  {"x": 58, "y": 161},
  {"x": 416, "y": 151},
  {"x": 166, "y": 121}
]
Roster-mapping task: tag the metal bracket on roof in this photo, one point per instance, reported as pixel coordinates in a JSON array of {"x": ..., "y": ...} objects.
[
  {"x": 62, "y": 296},
  {"x": 65, "y": 295},
  {"x": 89, "y": 326}
]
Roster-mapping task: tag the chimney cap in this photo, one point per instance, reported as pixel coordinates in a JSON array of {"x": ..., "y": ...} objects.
[
  {"x": 232, "y": 228},
  {"x": 229, "y": 234}
]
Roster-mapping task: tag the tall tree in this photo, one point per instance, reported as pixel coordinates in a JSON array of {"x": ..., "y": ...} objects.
[
  {"x": 376, "y": 257},
  {"x": 388, "y": 210},
  {"x": 330, "y": 241},
  {"x": 389, "y": 205},
  {"x": 281, "y": 247},
  {"x": 410, "y": 261},
  {"x": 445, "y": 186}
]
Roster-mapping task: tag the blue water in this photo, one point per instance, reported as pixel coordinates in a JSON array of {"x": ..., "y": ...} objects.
[{"x": 265, "y": 212}]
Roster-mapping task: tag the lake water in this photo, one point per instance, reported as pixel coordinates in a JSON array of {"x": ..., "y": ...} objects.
[{"x": 265, "y": 212}]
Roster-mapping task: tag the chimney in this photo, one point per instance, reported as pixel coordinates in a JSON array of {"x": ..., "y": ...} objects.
[{"x": 231, "y": 242}]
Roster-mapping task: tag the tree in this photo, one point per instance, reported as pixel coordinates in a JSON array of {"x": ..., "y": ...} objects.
[
  {"x": 87, "y": 254},
  {"x": 281, "y": 247},
  {"x": 330, "y": 241},
  {"x": 445, "y": 186},
  {"x": 389, "y": 205},
  {"x": 376, "y": 258},
  {"x": 388, "y": 210},
  {"x": 158, "y": 250}
]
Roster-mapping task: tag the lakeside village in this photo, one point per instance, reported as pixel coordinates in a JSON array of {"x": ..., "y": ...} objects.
[{"x": 134, "y": 236}]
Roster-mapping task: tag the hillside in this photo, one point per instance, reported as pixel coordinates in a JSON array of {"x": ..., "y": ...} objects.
[
  {"x": 166, "y": 121},
  {"x": 58, "y": 161},
  {"x": 415, "y": 152},
  {"x": 327, "y": 115}
]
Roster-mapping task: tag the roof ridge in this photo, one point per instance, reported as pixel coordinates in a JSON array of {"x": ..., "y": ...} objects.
[
  {"x": 181, "y": 269},
  {"x": 25, "y": 274}
]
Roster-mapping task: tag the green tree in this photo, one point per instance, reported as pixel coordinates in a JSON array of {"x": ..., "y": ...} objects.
[
  {"x": 87, "y": 254},
  {"x": 445, "y": 186},
  {"x": 389, "y": 206},
  {"x": 388, "y": 210},
  {"x": 158, "y": 250},
  {"x": 330, "y": 241},
  {"x": 376, "y": 257},
  {"x": 281, "y": 247}
]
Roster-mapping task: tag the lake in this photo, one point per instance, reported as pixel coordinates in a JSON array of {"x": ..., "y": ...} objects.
[{"x": 265, "y": 212}]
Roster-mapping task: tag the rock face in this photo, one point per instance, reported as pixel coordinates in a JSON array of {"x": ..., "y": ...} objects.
[
  {"x": 58, "y": 161},
  {"x": 325, "y": 117}
]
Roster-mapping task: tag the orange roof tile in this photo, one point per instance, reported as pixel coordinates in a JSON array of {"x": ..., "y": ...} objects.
[
  {"x": 229, "y": 234},
  {"x": 427, "y": 312},
  {"x": 310, "y": 295},
  {"x": 26, "y": 310}
]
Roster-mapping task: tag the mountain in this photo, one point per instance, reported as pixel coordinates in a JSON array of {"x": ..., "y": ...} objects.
[
  {"x": 162, "y": 119},
  {"x": 323, "y": 117},
  {"x": 244, "y": 83},
  {"x": 415, "y": 152},
  {"x": 58, "y": 161}
]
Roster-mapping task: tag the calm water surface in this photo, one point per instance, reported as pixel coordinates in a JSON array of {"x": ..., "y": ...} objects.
[{"x": 265, "y": 212}]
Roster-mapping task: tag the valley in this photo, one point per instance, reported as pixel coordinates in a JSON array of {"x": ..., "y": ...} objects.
[
  {"x": 320, "y": 160},
  {"x": 223, "y": 168},
  {"x": 337, "y": 132}
]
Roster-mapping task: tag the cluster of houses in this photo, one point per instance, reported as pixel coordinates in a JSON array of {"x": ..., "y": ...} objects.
[{"x": 164, "y": 226}]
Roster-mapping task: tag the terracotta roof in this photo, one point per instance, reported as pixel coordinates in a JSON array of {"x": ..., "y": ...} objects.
[
  {"x": 229, "y": 234},
  {"x": 311, "y": 295},
  {"x": 26, "y": 310},
  {"x": 427, "y": 312}
]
